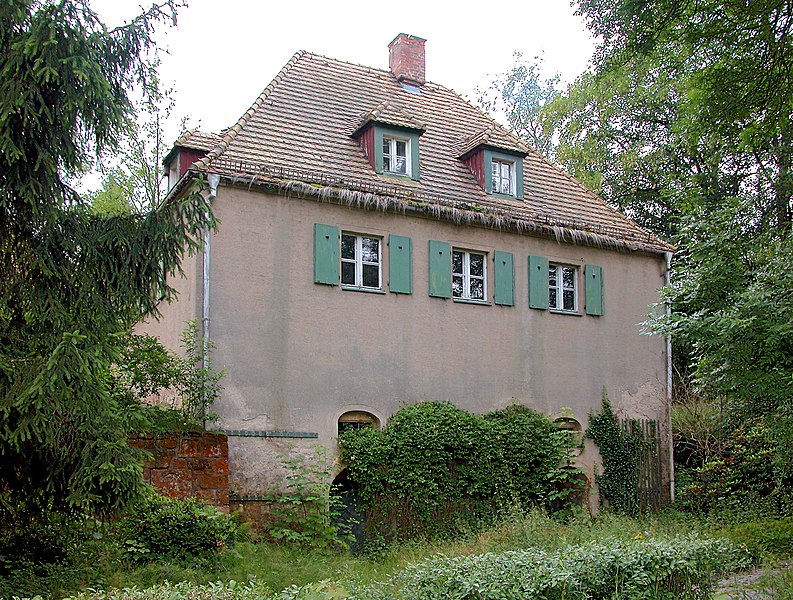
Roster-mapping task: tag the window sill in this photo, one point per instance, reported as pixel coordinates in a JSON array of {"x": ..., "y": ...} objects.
[
  {"x": 353, "y": 288},
  {"x": 505, "y": 196},
  {"x": 565, "y": 312},
  {"x": 468, "y": 301}
]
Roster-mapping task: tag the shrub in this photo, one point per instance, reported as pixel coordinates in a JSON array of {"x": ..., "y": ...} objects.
[
  {"x": 681, "y": 567},
  {"x": 768, "y": 535},
  {"x": 165, "y": 528},
  {"x": 744, "y": 478},
  {"x": 434, "y": 467}
]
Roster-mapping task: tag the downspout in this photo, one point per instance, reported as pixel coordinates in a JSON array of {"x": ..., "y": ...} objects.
[
  {"x": 214, "y": 180},
  {"x": 667, "y": 282}
]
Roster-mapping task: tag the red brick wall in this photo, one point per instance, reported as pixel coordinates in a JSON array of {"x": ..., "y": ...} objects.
[
  {"x": 406, "y": 58},
  {"x": 188, "y": 465}
]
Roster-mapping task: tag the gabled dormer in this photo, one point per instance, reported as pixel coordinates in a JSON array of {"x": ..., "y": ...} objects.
[
  {"x": 390, "y": 140},
  {"x": 496, "y": 160},
  {"x": 191, "y": 146}
]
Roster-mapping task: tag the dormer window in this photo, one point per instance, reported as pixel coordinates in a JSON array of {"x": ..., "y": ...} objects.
[
  {"x": 396, "y": 153},
  {"x": 503, "y": 176}
]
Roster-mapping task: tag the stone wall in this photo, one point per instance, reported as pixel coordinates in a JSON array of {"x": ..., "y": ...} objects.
[{"x": 188, "y": 465}]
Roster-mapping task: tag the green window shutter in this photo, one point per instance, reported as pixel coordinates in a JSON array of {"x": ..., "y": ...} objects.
[
  {"x": 538, "y": 282},
  {"x": 505, "y": 279},
  {"x": 594, "y": 290},
  {"x": 440, "y": 269},
  {"x": 326, "y": 254},
  {"x": 400, "y": 264}
]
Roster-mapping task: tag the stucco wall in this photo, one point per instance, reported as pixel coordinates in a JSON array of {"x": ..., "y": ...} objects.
[{"x": 300, "y": 354}]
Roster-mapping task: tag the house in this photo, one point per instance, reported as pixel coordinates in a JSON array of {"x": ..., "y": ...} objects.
[{"x": 382, "y": 242}]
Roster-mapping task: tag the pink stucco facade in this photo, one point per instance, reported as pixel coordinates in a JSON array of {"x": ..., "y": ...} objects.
[{"x": 299, "y": 354}]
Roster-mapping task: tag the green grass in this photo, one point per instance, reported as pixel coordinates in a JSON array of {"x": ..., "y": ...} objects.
[{"x": 279, "y": 566}]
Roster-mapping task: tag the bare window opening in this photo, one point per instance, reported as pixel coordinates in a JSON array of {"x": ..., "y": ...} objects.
[
  {"x": 568, "y": 424},
  {"x": 357, "y": 419}
]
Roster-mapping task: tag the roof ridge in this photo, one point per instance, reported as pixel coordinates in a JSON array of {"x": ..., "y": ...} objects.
[{"x": 232, "y": 131}]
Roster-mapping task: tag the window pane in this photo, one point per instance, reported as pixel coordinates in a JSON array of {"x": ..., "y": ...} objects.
[
  {"x": 505, "y": 167},
  {"x": 370, "y": 250},
  {"x": 569, "y": 300},
  {"x": 400, "y": 166},
  {"x": 477, "y": 289},
  {"x": 552, "y": 298},
  {"x": 348, "y": 273},
  {"x": 495, "y": 170},
  {"x": 505, "y": 186},
  {"x": 552, "y": 275},
  {"x": 457, "y": 262},
  {"x": 371, "y": 276},
  {"x": 457, "y": 286},
  {"x": 386, "y": 163},
  {"x": 568, "y": 277},
  {"x": 386, "y": 146},
  {"x": 401, "y": 148},
  {"x": 477, "y": 266},
  {"x": 348, "y": 246}
]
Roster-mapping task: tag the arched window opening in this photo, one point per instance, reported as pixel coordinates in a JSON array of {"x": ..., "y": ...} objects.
[{"x": 357, "y": 419}]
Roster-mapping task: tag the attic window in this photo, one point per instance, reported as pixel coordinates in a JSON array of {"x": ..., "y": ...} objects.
[
  {"x": 503, "y": 176},
  {"x": 395, "y": 155}
]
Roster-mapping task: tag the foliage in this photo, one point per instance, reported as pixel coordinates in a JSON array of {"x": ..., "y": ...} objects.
[
  {"x": 231, "y": 590},
  {"x": 766, "y": 535},
  {"x": 743, "y": 478},
  {"x": 183, "y": 388},
  {"x": 620, "y": 451},
  {"x": 166, "y": 528},
  {"x": 72, "y": 282},
  {"x": 699, "y": 426},
  {"x": 303, "y": 512},
  {"x": 434, "y": 465},
  {"x": 96, "y": 563},
  {"x": 133, "y": 179},
  {"x": 681, "y": 567},
  {"x": 521, "y": 95}
]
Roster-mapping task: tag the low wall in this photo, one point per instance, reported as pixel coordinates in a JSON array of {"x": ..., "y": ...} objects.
[{"x": 188, "y": 465}]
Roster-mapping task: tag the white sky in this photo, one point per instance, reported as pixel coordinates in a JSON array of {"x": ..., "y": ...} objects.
[{"x": 222, "y": 53}]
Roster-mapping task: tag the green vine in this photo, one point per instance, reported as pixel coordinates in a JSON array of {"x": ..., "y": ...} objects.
[
  {"x": 435, "y": 466},
  {"x": 620, "y": 449}
]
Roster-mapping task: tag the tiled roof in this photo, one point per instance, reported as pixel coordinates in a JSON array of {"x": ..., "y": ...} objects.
[
  {"x": 493, "y": 135},
  {"x": 298, "y": 135},
  {"x": 198, "y": 140},
  {"x": 387, "y": 113}
]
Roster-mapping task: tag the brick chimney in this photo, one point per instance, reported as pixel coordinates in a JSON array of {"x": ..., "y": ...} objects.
[{"x": 406, "y": 58}]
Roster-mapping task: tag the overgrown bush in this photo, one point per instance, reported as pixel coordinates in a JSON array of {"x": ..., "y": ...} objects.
[
  {"x": 166, "y": 528},
  {"x": 434, "y": 465},
  {"x": 303, "y": 510},
  {"x": 744, "y": 478},
  {"x": 682, "y": 567},
  {"x": 767, "y": 535}
]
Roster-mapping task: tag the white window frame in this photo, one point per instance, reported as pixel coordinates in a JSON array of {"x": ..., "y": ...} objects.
[
  {"x": 560, "y": 287},
  {"x": 467, "y": 277},
  {"x": 359, "y": 262},
  {"x": 393, "y": 156},
  {"x": 493, "y": 178}
]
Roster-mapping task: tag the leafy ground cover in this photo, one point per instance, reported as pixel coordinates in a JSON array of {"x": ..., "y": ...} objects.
[{"x": 646, "y": 546}]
